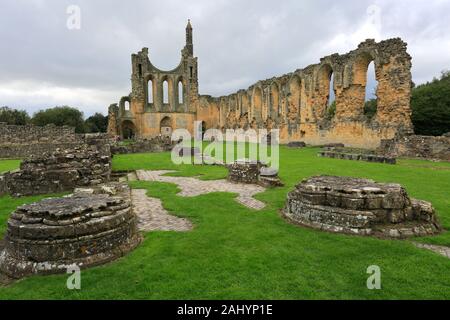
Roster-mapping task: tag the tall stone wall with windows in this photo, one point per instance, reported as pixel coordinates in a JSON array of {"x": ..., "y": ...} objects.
[{"x": 296, "y": 103}]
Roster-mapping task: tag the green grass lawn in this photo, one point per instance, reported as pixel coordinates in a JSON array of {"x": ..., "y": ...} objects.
[
  {"x": 238, "y": 253},
  {"x": 8, "y": 165}
]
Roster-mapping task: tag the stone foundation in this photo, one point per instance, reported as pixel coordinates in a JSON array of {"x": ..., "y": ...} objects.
[
  {"x": 253, "y": 172},
  {"x": 359, "y": 206},
  {"x": 86, "y": 229},
  {"x": 355, "y": 155}
]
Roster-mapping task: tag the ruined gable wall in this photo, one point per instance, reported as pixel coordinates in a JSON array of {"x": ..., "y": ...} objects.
[{"x": 296, "y": 103}]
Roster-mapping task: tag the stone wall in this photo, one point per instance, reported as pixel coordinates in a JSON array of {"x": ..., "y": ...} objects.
[
  {"x": 3, "y": 186},
  {"x": 23, "y": 141},
  {"x": 61, "y": 170},
  {"x": 157, "y": 144},
  {"x": 295, "y": 103},
  {"x": 413, "y": 146},
  {"x": 355, "y": 154}
]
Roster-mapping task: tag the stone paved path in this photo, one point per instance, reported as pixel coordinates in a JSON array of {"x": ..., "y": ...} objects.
[
  {"x": 152, "y": 216},
  {"x": 191, "y": 187},
  {"x": 445, "y": 251}
]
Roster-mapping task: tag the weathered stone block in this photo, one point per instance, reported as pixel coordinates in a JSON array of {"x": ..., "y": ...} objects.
[{"x": 359, "y": 206}]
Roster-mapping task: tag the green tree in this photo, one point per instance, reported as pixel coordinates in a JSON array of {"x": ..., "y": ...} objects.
[
  {"x": 96, "y": 123},
  {"x": 60, "y": 116},
  {"x": 331, "y": 111},
  {"x": 14, "y": 116},
  {"x": 370, "y": 108},
  {"x": 430, "y": 104}
]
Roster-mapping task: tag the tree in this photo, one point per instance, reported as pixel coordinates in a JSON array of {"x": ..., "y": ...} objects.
[
  {"x": 370, "y": 108},
  {"x": 60, "y": 116},
  {"x": 14, "y": 116},
  {"x": 430, "y": 104},
  {"x": 96, "y": 123},
  {"x": 331, "y": 111}
]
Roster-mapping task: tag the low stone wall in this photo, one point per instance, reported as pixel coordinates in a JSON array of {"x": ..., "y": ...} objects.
[
  {"x": 23, "y": 141},
  {"x": 21, "y": 151},
  {"x": 336, "y": 154},
  {"x": 62, "y": 170},
  {"x": 157, "y": 144},
  {"x": 86, "y": 229},
  {"x": 14, "y": 134},
  {"x": 413, "y": 146},
  {"x": 3, "y": 186}
]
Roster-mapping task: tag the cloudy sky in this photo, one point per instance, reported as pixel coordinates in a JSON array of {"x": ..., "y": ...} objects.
[{"x": 43, "y": 63}]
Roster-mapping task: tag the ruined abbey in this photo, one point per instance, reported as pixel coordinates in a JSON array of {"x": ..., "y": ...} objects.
[{"x": 295, "y": 103}]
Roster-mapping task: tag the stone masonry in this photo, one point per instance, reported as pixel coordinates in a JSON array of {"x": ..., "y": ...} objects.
[
  {"x": 355, "y": 154},
  {"x": 295, "y": 103},
  {"x": 23, "y": 141},
  {"x": 418, "y": 147},
  {"x": 84, "y": 229},
  {"x": 61, "y": 170},
  {"x": 359, "y": 206}
]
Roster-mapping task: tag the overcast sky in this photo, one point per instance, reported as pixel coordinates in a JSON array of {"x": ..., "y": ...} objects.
[{"x": 238, "y": 42}]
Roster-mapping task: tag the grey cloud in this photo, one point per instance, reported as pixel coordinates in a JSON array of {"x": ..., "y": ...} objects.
[{"x": 238, "y": 42}]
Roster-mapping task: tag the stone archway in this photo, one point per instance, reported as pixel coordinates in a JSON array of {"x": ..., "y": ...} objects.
[
  {"x": 128, "y": 130},
  {"x": 166, "y": 126}
]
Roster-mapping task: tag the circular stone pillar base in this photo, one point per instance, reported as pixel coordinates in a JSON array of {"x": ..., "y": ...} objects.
[
  {"x": 359, "y": 206},
  {"x": 84, "y": 229}
]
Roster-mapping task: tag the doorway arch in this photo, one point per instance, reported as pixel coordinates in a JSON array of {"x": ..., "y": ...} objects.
[
  {"x": 128, "y": 130},
  {"x": 166, "y": 126}
]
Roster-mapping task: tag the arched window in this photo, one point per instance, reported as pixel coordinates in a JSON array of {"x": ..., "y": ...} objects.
[
  {"x": 331, "y": 103},
  {"x": 327, "y": 93},
  {"x": 370, "y": 102},
  {"x": 331, "y": 94},
  {"x": 165, "y": 91},
  {"x": 150, "y": 91},
  {"x": 127, "y": 105},
  {"x": 180, "y": 92}
]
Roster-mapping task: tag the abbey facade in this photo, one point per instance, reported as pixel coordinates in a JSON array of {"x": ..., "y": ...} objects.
[{"x": 297, "y": 103}]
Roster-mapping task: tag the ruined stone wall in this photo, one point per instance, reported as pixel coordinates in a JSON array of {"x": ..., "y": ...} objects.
[
  {"x": 24, "y": 141},
  {"x": 157, "y": 94},
  {"x": 62, "y": 170},
  {"x": 157, "y": 144},
  {"x": 296, "y": 103},
  {"x": 413, "y": 146}
]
